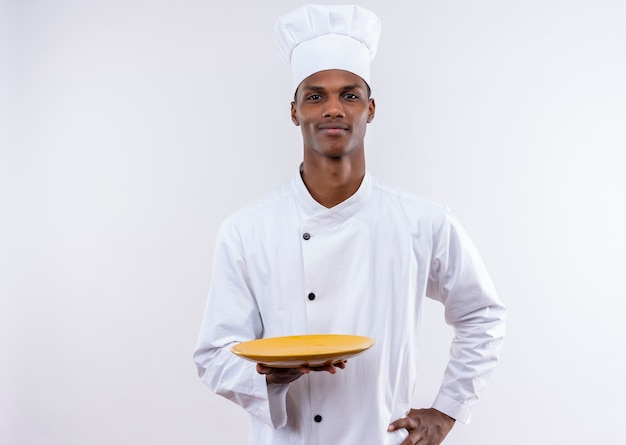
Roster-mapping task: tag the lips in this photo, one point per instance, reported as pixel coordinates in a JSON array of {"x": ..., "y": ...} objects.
[{"x": 333, "y": 129}]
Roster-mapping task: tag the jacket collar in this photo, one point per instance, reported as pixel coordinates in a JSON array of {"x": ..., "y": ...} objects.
[{"x": 311, "y": 208}]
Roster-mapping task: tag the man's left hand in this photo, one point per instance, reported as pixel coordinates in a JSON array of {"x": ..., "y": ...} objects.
[{"x": 425, "y": 426}]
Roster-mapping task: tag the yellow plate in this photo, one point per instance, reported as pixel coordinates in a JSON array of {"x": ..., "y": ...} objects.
[{"x": 302, "y": 350}]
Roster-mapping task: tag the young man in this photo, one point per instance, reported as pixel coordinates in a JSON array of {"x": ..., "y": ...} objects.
[{"x": 337, "y": 251}]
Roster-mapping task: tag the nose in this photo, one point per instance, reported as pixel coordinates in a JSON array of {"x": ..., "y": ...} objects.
[{"x": 333, "y": 108}]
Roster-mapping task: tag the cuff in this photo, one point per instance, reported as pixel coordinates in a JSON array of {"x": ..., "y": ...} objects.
[
  {"x": 457, "y": 410},
  {"x": 274, "y": 413},
  {"x": 277, "y": 397}
]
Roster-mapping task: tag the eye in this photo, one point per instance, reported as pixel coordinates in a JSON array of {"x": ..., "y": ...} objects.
[
  {"x": 313, "y": 97},
  {"x": 351, "y": 96}
]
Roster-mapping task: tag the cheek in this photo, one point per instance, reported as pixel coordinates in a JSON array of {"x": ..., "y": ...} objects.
[
  {"x": 362, "y": 124},
  {"x": 305, "y": 124},
  {"x": 302, "y": 120}
]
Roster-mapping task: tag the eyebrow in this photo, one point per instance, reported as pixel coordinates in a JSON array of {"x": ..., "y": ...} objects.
[{"x": 344, "y": 88}]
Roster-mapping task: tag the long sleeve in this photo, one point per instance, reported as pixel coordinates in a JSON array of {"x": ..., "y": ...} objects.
[
  {"x": 460, "y": 281},
  {"x": 232, "y": 316},
  {"x": 357, "y": 274}
]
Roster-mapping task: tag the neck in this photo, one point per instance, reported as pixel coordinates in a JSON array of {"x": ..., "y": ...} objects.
[{"x": 331, "y": 181}]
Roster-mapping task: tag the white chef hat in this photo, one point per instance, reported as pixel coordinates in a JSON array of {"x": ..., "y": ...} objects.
[{"x": 321, "y": 37}]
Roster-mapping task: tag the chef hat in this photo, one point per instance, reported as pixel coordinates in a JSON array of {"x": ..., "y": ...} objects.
[{"x": 321, "y": 37}]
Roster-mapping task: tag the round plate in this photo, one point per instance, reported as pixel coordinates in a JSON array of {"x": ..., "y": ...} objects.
[{"x": 302, "y": 350}]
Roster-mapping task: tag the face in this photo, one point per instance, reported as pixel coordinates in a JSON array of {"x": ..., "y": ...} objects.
[{"x": 332, "y": 109}]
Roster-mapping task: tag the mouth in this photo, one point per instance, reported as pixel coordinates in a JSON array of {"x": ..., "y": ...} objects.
[{"x": 333, "y": 129}]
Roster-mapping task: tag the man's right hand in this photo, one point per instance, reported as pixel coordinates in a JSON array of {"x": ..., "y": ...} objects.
[{"x": 288, "y": 375}]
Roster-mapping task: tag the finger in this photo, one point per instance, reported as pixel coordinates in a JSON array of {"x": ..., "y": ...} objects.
[
  {"x": 410, "y": 440},
  {"x": 414, "y": 438},
  {"x": 397, "y": 425},
  {"x": 333, "y": 368},
  {"x": 262, "y": 369},
  {"x": 330, "y": 368}
]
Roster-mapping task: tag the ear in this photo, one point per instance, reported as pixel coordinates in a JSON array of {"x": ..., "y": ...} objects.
[
  {"x": 372, "y": 111},
  {"x": 294, "y": 117}
]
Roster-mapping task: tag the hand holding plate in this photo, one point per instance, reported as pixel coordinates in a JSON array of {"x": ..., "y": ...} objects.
[{"x": 288, "y": 375}]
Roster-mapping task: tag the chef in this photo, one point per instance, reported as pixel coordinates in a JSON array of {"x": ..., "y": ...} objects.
[{"x": 335, "y": 250}]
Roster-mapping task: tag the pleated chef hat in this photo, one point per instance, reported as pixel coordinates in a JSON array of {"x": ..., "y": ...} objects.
[{"x": 321, "y": 37}]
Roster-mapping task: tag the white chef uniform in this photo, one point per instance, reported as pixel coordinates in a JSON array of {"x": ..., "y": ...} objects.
[{"x": 285, "y": 265}]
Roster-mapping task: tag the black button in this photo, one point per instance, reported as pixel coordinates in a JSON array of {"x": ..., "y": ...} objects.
[
  {"x": 306, "y": 235},
  {"x": 317, "y": 418},
  {"x": 311, "y": 296}
]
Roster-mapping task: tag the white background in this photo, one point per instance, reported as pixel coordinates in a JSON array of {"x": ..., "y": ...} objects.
[{"x": 130, "y": 129}]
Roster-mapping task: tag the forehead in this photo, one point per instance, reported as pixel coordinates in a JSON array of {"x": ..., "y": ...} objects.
[{"x": 332, "y": 79}]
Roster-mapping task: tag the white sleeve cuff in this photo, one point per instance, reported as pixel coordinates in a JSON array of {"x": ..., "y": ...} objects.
[
  {"x": 274, "y": 413},
  {"x": 277, "y": 397},
  {"x": 457, "y": 410}
]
